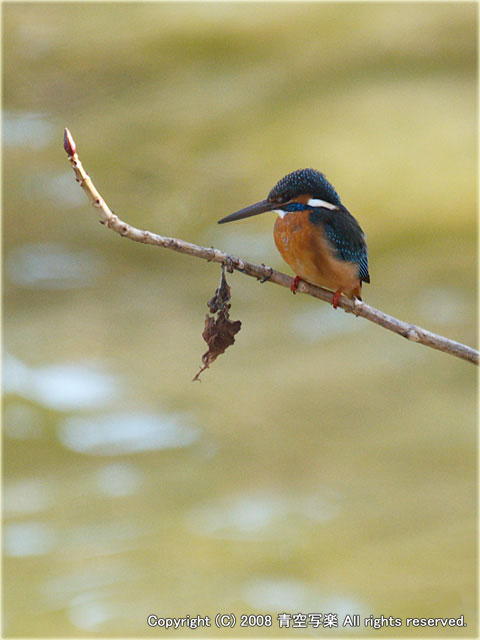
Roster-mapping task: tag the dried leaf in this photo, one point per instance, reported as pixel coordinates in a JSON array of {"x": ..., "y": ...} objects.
[
  {"x": 219, "y": 332},
  {"x": 221, "y": 297}
]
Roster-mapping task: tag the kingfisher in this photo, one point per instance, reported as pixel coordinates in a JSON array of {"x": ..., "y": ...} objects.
[{"x": 315, "y": 233}]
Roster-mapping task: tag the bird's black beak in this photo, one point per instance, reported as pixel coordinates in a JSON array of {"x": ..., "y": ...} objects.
[{"x": 252, "y": 210}]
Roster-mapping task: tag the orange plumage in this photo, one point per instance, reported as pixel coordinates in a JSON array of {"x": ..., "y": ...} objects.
[{"x": 305, "y": 248}]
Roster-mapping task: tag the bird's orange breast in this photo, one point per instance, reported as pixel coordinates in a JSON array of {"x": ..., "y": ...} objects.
[{"x": 304, "y": 246}]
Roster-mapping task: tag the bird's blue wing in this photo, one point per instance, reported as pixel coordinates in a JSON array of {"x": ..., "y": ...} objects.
[
  {"x": 346, "y": 237},
  {"x": 350, "y": 249}
]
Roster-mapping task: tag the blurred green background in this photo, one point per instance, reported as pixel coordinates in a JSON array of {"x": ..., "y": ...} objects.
[{"x": 323, "y": 464}]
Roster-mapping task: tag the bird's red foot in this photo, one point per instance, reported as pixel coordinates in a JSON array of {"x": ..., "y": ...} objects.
[
  {"x": 336, "y": 298},
  {"x": 294, "y": 285}
]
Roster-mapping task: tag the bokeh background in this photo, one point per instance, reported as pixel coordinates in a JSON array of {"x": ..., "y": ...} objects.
[{"x": 323, "y": 464}]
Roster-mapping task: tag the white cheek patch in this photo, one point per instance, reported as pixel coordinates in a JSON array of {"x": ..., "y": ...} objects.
[{"x": 313, "y": 202}]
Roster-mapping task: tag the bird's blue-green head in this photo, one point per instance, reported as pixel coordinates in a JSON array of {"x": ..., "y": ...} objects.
[
  {"x": 304, "y": 187},
  {"x": 302, "y": 183}
]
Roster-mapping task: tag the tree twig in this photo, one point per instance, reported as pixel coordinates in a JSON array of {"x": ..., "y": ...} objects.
[{"x": 261, "y": 272}]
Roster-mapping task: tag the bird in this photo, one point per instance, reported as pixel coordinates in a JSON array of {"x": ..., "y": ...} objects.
[{"x": 315, "y": 233}]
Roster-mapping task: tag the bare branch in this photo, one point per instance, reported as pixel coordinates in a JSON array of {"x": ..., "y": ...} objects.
[{"x": 261, "y": 272}]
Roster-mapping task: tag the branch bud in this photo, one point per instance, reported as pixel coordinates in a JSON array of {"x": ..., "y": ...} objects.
[{"x": 69, "y": 143}]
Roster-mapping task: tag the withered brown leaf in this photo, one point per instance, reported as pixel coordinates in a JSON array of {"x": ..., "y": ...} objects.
[{"x": 219, "y": 332}]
